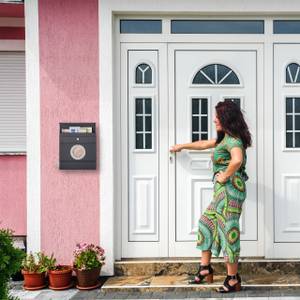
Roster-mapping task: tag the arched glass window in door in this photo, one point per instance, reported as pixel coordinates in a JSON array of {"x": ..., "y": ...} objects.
[
  {"x": 143, "y": 74},
  {"x": 216, "y": 74},
  {"x": 292, "y": 73}
]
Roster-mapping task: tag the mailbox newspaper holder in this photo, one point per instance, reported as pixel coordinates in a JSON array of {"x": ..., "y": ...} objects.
[{"x": 77, "y": 146}]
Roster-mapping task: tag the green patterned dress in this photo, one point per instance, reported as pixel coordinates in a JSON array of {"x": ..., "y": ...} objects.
[{"x": 218, "y": 227}]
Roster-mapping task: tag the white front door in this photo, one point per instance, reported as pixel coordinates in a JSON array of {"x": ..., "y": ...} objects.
[
  {"x": 286, "y": 150},
  {"x": 168, "y": 94},
  {"x": 202, "y": 78}
]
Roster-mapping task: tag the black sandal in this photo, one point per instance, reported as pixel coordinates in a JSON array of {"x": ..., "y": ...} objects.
[
  {"x": 231, "y": 288},
  {"x": 209, "y": 277}
]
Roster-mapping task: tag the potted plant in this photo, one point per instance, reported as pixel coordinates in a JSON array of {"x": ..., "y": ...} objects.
[
  {"x": 10, "y": 260},
  {"x": 34, "y": 268},
  {"x": 88, "y": 260},
  {"x": 60, "y": 276}
]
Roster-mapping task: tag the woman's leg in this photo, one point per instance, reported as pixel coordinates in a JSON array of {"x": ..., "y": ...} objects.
[
  {"x": 232, "y": 269},
  {"x": 205, "y": 260}
]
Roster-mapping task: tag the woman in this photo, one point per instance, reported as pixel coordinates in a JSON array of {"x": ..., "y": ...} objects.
[{"x": 218, "y": 227}]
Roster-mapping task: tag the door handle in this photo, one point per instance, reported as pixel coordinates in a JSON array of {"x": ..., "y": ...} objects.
[{"x": 172, "y": 156}]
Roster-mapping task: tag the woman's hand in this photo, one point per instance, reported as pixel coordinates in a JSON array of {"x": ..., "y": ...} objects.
[
  {"x": 176, "y": 148},
  {"x": 221, "y": 177}
]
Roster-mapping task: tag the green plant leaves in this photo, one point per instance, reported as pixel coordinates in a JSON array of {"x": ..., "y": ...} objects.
[{"x": 10, "y": 260}]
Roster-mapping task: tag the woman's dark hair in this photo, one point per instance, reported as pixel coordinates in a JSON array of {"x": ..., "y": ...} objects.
[{"x": 232, "y": 122}]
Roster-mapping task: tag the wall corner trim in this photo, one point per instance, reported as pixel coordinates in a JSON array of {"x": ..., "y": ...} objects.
[{"x": 33, "y": 126}]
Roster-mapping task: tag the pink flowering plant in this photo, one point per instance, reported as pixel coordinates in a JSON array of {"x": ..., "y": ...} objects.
[{"x": 88, "y": 256}]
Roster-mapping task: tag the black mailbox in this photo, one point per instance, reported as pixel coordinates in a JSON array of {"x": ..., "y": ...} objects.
[{"x": 77, "y": 146}]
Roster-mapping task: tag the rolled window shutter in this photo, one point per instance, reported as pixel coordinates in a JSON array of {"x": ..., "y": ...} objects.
[{"x": 12, "y": 102}]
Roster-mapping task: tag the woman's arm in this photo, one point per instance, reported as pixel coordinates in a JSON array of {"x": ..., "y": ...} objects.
[
  {"x": 235, "y": 163},
  {"x": 198, "y": 145}
]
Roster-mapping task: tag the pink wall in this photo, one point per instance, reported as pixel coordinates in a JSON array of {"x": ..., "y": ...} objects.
[
  {"x": 13, "y": 168},
  {"x": 13, "y": 193},
  {"x": 69, "y": 93}
]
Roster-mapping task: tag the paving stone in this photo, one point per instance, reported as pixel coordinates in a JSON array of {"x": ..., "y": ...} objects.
[
  {"x": 93, "y": 294},
  {"x": 121, "y": 295},
  {"x": 199, "y": 294},
  {"x": 105, "y": 296},
  {"x": 25, "y": 295},
  {"x": 291, "y": 292},
  {"x": 257, "y": 291},
  {"x": 137, "y": 296},
  {"x": 180, "y": 295},
  {"x": 16, "y": 285},
  {"x": 56, "y": 295}
]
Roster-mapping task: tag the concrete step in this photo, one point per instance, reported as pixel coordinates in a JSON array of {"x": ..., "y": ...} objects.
[
  {"x": 177, "y": 286},
  {"x": 189, "y": 266}
]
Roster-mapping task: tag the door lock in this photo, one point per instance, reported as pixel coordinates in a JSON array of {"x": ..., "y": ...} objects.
[{"x": 172, "y": 155}]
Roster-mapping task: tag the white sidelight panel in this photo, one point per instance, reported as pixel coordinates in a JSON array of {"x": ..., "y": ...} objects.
[
  {"x": 144, "y": 208},
  {"x": 143, "y": 148},
  {"x": 287, "y": 146}
]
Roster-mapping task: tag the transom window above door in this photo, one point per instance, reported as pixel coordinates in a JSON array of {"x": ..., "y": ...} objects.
[{"x": 216, "y": 74}]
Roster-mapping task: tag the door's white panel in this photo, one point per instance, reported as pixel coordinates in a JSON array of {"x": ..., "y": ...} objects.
[
  {"x": 287, "y": 209},
  {"x": 143, "y": 209},
  {"x": 200, "y": 191},
  {"x": 291, "y": 193},
  {"x": 200, "y": 164}
]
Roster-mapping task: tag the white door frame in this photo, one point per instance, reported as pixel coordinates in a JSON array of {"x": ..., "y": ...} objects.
[{"x": 109, "y": 62}]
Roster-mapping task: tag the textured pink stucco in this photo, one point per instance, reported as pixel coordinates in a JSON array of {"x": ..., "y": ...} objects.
[
  {"x": 13, "y": 193},
  {"x": 69, "y": 93}
]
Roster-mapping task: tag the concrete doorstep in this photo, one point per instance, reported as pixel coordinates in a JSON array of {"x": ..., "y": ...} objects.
[
  {"x": 165, "y": 287},
  {"x": 166, "y": 279}
]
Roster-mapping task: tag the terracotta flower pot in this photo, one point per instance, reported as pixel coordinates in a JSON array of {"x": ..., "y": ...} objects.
[
  {"x": 60, "y": 279},
  {"x": 88, "y": 279},
  {"x": 34, "y": 281}
]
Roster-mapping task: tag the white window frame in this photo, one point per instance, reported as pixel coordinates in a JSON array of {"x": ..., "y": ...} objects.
[
  {"x": 284, "y": 148},
  {"x": 189, "y": 117},
  {"x": 19, "y": 149},
  {"x": 153, "y": 125}
]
